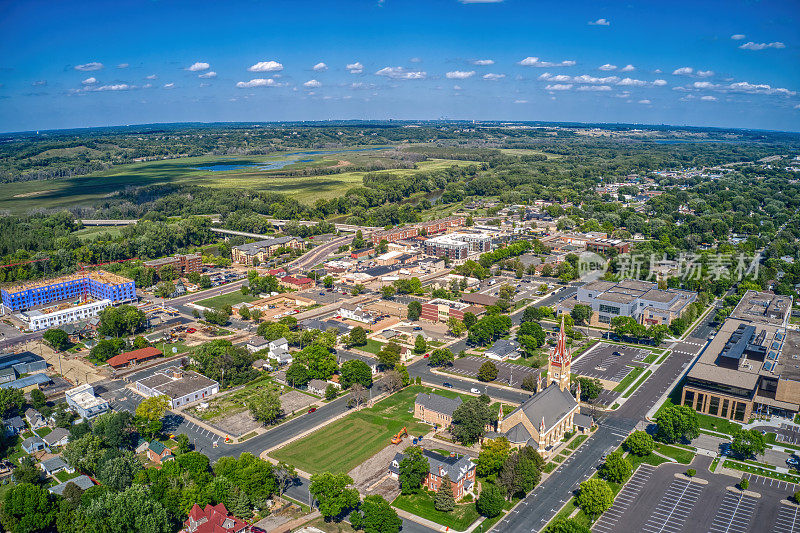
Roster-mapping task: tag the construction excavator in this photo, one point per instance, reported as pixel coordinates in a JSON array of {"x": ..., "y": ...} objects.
[{"x": 397, "y": 439}]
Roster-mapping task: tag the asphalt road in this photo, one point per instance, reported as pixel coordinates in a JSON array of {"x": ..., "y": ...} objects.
[{"x": 539, "y": 507}]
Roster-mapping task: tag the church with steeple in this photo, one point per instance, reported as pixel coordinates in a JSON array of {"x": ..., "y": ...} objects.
[{"x": 543, "y": 419}]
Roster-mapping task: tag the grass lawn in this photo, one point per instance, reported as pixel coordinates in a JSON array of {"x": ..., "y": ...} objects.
[
  {"x": 627, "y": 380},
  {"x": 577, "y": 441},
  {"x": 233, "y": 402},
  {"x": 342, "y": 445},
  {"x": 638, "y": 384},
  {"x": 372, "y": 346},
  {"x": 232, "y": 298},
  {"x": 43, "y": 432},
  {"x": 66, "y": 476},
  {"x": 663, "y": 357},
  {"x": 707, "y": 422},
  {"x": 681, "y": 455},
  {"x": 744, "y": 467},
  {"x": 650, "y": 459},
  {"x": 770, "y": 438},
  {"x": 422, "y": 505},
  {"x": 549, "y": 467}
]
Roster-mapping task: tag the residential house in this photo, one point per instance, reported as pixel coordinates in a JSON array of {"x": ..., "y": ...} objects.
[
  {"x": 435, "y": 409},
  {"x": 256, "y": 344},
  {"x": 355, "y": 312},
  {"x": 56, "y": 438},
  {"x": 34, "y": 444},
  {"x": 212, "y": 519},
  {"x": 14, "y": 425},
  {"x": 158, "y": 453},
  {"x": 503, "y": 349},
  {"x": 278, "y": 347},
  {"x": 133, "y": 358},
  {"x": 83, "y": 482},
  {"x": 141, "y": 445},
  {"x": 460, "y": 469},
  {"x": 54, "y": 465},
  {"x": 317, "y": 386},
  {"x": 372, "y": 363},
  {"x": 34, "y": 418}
]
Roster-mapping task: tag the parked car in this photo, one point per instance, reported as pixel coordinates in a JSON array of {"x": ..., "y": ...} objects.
[
  {"x": 417, "y": 328},
  {"x": 312, "y": 409},
  {"x": 447, "y": 384},
  {"x": 616, "y": 353},
  {"x": 473, "y": 390},
  {"x": 426, "y": 356}
]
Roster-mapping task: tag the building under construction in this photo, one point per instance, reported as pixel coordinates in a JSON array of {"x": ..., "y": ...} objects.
[{"x": 97, "y": 285}]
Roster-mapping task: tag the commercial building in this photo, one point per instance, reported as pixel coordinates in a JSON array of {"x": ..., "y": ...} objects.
[
  {"x": 458, "y": 245},
  {"x": 133, "y": 358},
  {"x": 641, "y": 300},
  {"x": 52, "y": 317},
  {"x": 99, "y": 285},
  {"x": 296, "y": 283},
  {"x": 180, "y": 386},
  {"x": 752, "y": 366},
  {"x": 181, "y": 263},
  {"x": 23, "y": 363},
  {"x": 428, "y": 228},
  {"x": 601, "y": 246},
  {"x": 83, "y": 401},
  {"x": 262, "y": 250},
  {"x": 434, "y": 409},
  {"x": 355, "y": 312},
  {"x": 440, "y": 310}
]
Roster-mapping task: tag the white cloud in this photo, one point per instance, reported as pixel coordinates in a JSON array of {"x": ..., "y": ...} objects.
[
  {"x": 632, "y": 82},
  {"x": 265, "y": 66},
  {"x": 87, "y": 67},
  {"x": 456, "y": 87},
  {"x": 745, "y": 87},
  {"x": 738, "y": 36},
  {"x": 89, "y": 81},
  {"x": 198, "y": 67},
  {"x": 169, "y": 85},
  {"x": 312, "y": 84},
  {"x": 705, "y": 73},
  {"x": 761, "y": 46},
  {"x": 483, "y": 62},
  {"x": 460, "y": 74},
  {"x": 493, "y": 77},
  {"x": 645, "y": 101},
  {"x": 559, "y": 87},
  {"x": 683, "y": 71},
  {"x": 151, "y": 77},
  {"x": 123, "y": 65},
  {"x": 39, "y": 83},
  {"x": 594, "y": 88},
  {"x": 355, "y": 68},
  {"x": 535, "y": 62},
  {"x": 415, "y": 60},
  {"x": 703, "y": 85},
  {"x": 209, "y": 74},
  {"x": 257, "y": 82},
  {"x": 708, "y": 98},
  {"x": 320, "y": 67},
  {"x": 117, "y": 87},
  {"x": 400, "y": 73},
  {"x": 550, "y": 77},
  {"x": 520, "y": 101},
  {"x": 659, "y": 83},
  {"x": 600, "y": 22},
  {"x": 607, "y": 66},
  {"x": 797, "y": 106},
  {"x": 623, "y": 94},
  {"x": 585, "y": 78},
  {"x": 627, "y": 68}
]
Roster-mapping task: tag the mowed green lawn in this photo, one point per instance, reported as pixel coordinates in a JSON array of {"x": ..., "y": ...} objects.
[
  {"x": 232, "y": 298},
  {"x": 346, "y": 443}
]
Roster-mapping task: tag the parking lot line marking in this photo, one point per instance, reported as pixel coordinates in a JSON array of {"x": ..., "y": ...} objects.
[
  {"x": 674, "y": 507},
  {"x": 787, "y": 520}
]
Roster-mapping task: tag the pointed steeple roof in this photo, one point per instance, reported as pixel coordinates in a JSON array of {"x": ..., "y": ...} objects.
[{"x": 561, "y": 355}]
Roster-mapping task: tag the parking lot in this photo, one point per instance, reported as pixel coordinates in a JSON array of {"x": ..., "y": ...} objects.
[
  {"x": 601, "y": 363},
  {"x": 788, "y": 434},
  {"x": 321, "y": 296},
  {"x": 788, "y": 520},
  {"x": 626, "y": 498},
  {"x": 674, "y": 508},
  {"x": 507, "y": 373},
  {"x": 735, "y": 514}
]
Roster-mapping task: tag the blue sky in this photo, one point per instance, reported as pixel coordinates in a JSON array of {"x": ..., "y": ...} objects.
[{"x": 77, "y": 64}]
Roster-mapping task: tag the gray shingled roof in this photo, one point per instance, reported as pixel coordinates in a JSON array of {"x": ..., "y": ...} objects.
[
  {"x": 552, "y": 403},
  {"x": 455, "y": 467},
  {"x": 518, "y": 434},
  {"x": 503, "y": 347},
  {"x": 82, "y": 481},
  {"x": 437, "y": 403}
]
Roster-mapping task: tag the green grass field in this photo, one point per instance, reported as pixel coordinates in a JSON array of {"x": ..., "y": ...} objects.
[
  {"x": 347, "y": 442},
  {"x": 65, "y": 192},
  {"x": 232, "y": 298},
  {"x": 422, "y": 505}
]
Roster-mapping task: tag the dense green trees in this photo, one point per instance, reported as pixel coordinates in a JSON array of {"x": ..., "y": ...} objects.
[
  {"x": 218, "y": 356},
  {"x": 266, "y": 406},
  {"x": 121, "y": 320},
  {"x": 639, "y": 443},
  {"x": 748, "y": 443},
  {"x": 56, "y": 338},
  {"x": 413, "y": 470},
  {"x": 594, "y": 497},
  {"x": 444, "y": 500},
  {"x": 355, "y": 371},
  {"x": 489, "y": 328},
  {"x": 441, "y": 357},
  {"x": 376, "y": 515},
  {"x": 491, "y": 501},
  {"x": 27, "y": 508},
  {"x": 470, "y": 420},
  {"x": 674, "y": 423},
  {"x": 334, "y": 494}
]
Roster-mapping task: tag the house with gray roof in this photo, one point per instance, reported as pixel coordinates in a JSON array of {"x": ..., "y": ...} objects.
[
  {"x": 82, "y": 481},
  {"x": 14, "y": 425},
  {"x": 460, "y": 469},
  {"x": 503, "y": 349},
  {"x": 435, "y": 409},
  {"x": 34, "y": 444},
  {"x": 34, "y": 418},
  {"x": 57, "y": 437},
  {"x": 54, "y": 465}
]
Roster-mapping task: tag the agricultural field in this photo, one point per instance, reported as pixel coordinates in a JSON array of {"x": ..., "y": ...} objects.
[
  {"x": 262, "y": 173},
  {"x": 346, "y": 443}
]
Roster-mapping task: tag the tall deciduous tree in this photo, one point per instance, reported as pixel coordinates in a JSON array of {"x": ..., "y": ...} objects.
[
  {"x": 414, "y": 469},
  {"x": 266, "y": 406},
  {"x": 334, "y": 494},
  {"x": 470, "y": 420},
  {"x": 595, "y": 497}
]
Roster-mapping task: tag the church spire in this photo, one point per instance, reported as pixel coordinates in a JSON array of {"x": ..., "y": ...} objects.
[{"x": 559, "y": 363}]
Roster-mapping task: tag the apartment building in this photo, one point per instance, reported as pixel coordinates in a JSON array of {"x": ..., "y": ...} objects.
[
  {"x": 641, "y": 300},
  {"x": 458, "y": 245},
  {"x": 260, "y": 251},
  {"x": 181, "y": 263}
]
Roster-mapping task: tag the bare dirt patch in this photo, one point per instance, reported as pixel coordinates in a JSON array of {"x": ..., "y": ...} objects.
[
  {"x": 32, "y": 194},
  {"x": 294, "y": 401},
  {"x": 371, "y": 476}
]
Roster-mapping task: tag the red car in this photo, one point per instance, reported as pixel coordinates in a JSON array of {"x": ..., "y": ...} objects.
[
  {"x": 191, "y": 330},
  {"x": 426, "y": 356},
  {"x": 312, "y": 409}
]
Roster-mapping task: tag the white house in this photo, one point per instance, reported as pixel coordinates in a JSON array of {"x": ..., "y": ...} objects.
[
  {"x": 355, "y": 312},
  {"x": 503, "y": 349},
  {"x": 257, "y": 343},
  {"x": 181, "y": 387}
]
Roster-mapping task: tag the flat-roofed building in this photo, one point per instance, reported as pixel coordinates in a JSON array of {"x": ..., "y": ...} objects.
[
  {"x": 262, "y": 250},
  {"x": 181, "y": 263},
  {"x": 97, "y": 284},
  {"x": 751, "y": 366},
  {"x": 180, "y": 386},
  {"x": 606, "y": 245},
  {"x": 440, "y": 310},
  {"x": 458, "y": 245},
  {"x": 83, "y": 401},
  {"x": 641, "y": 300}
]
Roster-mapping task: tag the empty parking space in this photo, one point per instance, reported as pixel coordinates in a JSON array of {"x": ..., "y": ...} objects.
[
  {"x": 775, "y": 484},
  {"x": 788, "y": 520},
  {"x": 734, "y": 514},
  {"x": 507, "y": 373},
  {"x": 673, "y": 509},
  {"x": 625, "y": 499}
]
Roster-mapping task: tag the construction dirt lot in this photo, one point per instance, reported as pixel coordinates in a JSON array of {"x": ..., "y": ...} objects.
[{"x": 73, "y": 367}]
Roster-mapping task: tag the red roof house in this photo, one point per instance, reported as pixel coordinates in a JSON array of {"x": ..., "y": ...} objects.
[
  {"x": 212, "y": 519},
  {"x": 277, "y": 272},
  {"x": 135, "y": 357},
  {"x": 297, "y": 283}
]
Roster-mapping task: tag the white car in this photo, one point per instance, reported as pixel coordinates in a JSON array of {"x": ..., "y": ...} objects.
[{"x": 473, "y": 390}]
